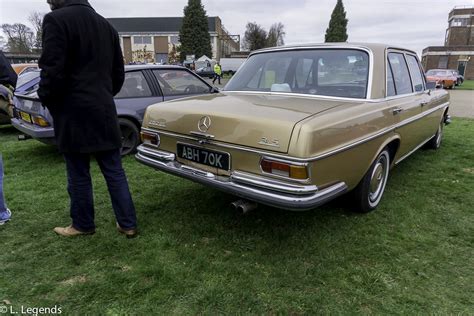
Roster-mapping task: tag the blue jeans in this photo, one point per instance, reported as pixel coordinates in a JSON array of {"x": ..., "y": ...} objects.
[
  {"x": 3, "y": 205},
  {"x": 80, "y": 189}
]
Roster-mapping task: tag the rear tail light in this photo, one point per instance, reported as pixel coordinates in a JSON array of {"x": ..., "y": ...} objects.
[
  {"x": 299, "y": 172},
  {"x": 150, "y": 138},
  {"x": 38, "y": 120}
]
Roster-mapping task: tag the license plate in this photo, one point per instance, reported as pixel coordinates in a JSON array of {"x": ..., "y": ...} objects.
[
  {"x": 25, "y": 117},
  {"x": 204, "y": 156}
]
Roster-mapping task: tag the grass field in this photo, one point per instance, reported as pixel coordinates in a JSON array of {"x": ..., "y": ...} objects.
[
  {"x": 194, "y": 255},
  {"x": 466, "y": 85}
]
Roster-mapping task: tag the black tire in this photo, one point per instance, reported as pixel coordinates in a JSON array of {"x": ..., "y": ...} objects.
[
  {"x": 435, "y": 142},
  {"x": 130, "y": 136},
  {"x": 369, "y": 191}
]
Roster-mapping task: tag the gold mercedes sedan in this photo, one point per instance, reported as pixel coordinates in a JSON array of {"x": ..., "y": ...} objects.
[{"x": 298, "y": 126}]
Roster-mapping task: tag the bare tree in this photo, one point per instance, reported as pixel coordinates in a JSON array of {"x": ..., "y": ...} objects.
[
  {"x": 3, "y": 43},
  {"x": 255, "y": 36},
  {"x": 276, "y": 35},
  {"x": 20, "y": 38},
  {"x": 36, "y": 20}
]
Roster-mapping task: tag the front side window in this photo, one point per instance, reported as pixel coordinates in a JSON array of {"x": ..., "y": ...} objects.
[
  {"x": 415, "y": 72},
  {"x": 134, "y": 86},
  {"x": 326, "y": 72},
  {"x": 401, "y": 75},
  {"x": 179, "y": 82}
]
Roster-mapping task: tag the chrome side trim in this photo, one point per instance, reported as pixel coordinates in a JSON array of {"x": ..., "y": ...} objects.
[
  {"x": 413, "y": 150},
  {"x": 314, "y": 158}
]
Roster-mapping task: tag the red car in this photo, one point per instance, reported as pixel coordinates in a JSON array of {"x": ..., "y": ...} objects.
[{"x": 443, "y": 78}]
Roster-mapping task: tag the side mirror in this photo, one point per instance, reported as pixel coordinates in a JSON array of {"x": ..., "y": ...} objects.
[{"x": 431, "y": 85}]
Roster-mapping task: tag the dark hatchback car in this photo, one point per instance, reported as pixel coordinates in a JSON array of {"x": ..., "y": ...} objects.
[{"x": 144, "y": 85}]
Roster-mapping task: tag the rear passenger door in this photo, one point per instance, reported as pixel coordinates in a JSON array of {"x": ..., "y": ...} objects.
[
  {"x": 137, "y": 93},
  {"x": 406, "y": 96}
]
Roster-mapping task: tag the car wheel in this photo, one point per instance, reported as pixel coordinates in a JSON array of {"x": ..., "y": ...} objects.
[
  {"x": 130, "y": 136},
  {"x": 369, "y": 191},
  {"x": 435, "y": 142}
]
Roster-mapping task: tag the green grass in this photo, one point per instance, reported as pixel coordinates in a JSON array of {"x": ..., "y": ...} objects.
[
  {"x": 194, "y": 255},
  {"x": 466, "y": 85}
]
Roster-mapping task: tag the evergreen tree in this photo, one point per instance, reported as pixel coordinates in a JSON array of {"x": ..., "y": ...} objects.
[
  {"x": 194, "y": 34},
  {"x": 337, "y": 30}
]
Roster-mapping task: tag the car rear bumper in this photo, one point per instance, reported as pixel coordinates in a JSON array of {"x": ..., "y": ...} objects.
[
  {"x": 37, "y": 132},
  {"x": 253, "y": 187}
]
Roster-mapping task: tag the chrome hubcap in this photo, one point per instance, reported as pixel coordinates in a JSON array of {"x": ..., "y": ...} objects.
[
  {"x": 378, "y": 179},
  {"x": 439, "y": 134}
]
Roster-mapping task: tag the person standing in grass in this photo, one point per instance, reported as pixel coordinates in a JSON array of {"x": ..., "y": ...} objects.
[
  {"x": 217, "y": 73},
  {"x": 8, "y": 78},
  {"x": 5, "y": 213},
  {"x": 81, "y": 71}
]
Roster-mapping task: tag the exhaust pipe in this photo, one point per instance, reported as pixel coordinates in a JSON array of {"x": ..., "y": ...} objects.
[
  {"x": 243, "y": 206},
  {"x": 447, "y": 119},
  {"x": 22, "y": 137}
]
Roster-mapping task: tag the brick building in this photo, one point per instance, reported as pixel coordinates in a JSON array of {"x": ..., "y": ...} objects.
[
  {"x": 458, "y": 50},
  {"x": 152, "y": 39}
]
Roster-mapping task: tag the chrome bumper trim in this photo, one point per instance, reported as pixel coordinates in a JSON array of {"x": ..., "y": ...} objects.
[
  {"x": 262, "y": 190},
  {"x": 36, "y": 132}
]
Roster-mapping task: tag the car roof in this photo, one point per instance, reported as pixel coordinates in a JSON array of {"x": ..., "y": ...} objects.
[
  {"x": 375, "y": 47},
  {"x": 142, "y": 67}
]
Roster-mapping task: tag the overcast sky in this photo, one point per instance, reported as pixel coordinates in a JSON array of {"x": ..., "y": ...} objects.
[{"x": 413, "y": 24}]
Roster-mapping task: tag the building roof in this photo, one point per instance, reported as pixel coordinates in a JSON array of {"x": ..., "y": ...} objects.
[{"x": 154, "y": 25}]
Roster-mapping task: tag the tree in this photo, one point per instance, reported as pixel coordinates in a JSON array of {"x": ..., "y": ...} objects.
[
  {"x": 194, "y": 33},
  {"x": 20, "y": 38},
  {"x": 173, "y": 55},
  {"x": 337, "y": 30},
  {"x": 275, "y": 35},
  {"x": 36, "y": 19},
  {"x": 255, "y": 36}
]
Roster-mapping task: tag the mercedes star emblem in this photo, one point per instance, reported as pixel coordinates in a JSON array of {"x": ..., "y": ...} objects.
[{"x": 204, "y": 124}]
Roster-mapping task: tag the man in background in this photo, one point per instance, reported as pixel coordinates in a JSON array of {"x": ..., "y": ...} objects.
[
  {"x": 217, "y": 73},
  {"x": 81, "y": 71}
]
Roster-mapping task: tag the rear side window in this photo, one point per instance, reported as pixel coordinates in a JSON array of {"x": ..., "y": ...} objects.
[
  {"x": 390, "y": 83},
  {"x": 134, "y": 86},
  {"x": 180, "y": 82},
  {"x": 415, "y": 72},
  {"x": 401, "y": 75}
]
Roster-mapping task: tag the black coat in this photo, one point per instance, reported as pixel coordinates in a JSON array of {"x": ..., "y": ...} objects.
[
  {"x": 7, "y": 74},
  {"x": 81, "y": 70}
]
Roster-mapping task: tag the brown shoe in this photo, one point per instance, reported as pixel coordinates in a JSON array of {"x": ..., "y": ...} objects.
[
  {"x": 129, "y": 233},
  {"x": 71, "y": 231}
]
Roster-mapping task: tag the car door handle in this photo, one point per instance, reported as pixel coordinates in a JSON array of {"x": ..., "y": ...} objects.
[
  {"x": 396, "y": 111},
  {"x": 424, "y": 103}
]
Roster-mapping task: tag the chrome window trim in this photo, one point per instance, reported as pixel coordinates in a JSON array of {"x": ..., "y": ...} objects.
[
  {"x": 365, "y": 49},
  {"x": 314, "y": 158},
  {"x": 397, "y": 51}
]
